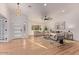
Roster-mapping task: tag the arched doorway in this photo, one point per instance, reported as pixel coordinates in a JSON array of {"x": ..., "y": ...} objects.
[{"x": 20, "y": 28}]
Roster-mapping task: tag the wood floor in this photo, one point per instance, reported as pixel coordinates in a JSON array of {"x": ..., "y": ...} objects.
[{"x": 38, "y": 46}]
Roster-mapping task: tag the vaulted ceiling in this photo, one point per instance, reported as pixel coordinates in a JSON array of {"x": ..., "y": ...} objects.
[{"x": 38, "y": 10}]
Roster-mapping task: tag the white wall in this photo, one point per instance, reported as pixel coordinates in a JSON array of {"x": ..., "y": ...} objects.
[{"x": 71, "y": 17}]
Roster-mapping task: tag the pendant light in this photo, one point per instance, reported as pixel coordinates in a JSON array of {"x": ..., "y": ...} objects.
[
  {"x": 45, "y": 4},
  {"x": 18, "y": 10}
]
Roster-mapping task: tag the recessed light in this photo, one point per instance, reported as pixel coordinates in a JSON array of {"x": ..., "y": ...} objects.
[
  {"x": 45, "y": 4},
  {"x": 63, "y": 11}
]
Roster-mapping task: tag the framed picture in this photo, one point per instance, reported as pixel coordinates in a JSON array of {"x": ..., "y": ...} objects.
[{"x": 36, "y": 27}]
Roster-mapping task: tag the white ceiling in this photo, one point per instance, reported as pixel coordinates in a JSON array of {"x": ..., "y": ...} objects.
[{"x": 37, "y": 10}]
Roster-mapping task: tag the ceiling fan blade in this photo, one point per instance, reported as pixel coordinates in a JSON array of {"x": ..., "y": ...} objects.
[
  {"x": 50, "y": 18},
  {"x": 46, "y": 18}
]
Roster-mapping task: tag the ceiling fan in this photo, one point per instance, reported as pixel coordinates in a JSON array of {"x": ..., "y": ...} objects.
[{"x": 47, "y": 18}]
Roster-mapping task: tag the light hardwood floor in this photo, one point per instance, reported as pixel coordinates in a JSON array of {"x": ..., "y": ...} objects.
[{"x": 38, "y": 46}]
